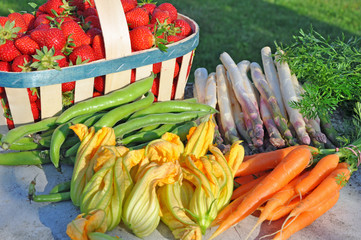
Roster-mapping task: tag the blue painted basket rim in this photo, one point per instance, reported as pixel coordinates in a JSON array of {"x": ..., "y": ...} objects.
[{"x": 101, "y": 67}]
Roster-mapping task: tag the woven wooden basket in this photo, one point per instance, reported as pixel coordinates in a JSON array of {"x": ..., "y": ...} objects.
[{"x": 116, "y": 67}]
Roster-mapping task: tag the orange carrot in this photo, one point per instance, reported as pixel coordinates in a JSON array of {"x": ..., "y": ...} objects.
[
  {"x": 230, "y": 208},
  {"x": 342, "y": 165},
  {"x": 292, "y": 165},
  {"x": 322, "y": 169},
  {"x": 306, "y": 218},
  {"x": 280, "y": 198},
  {"x": 246, "y": 179},
  {"x": 246, "y": 187},
  {"x": 263, "y": 161},
  {"x": 325, "y": 190},
  {"x": 283, "y": 210}
]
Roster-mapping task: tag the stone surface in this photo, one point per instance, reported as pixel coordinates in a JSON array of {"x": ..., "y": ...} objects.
[{"x": 20, "y": 219}]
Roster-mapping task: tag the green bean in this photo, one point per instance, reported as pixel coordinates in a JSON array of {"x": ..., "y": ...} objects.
[
  {"x": 127, "y": 94},
  {"x": 183, "y": 129},
  {"x": 148, "y": 135},
  {"x": 53, "y": 197},
  {"x": 72, "y": 150},
  {"x": 61, "y": 187},
  {"x": 163, "y": 118},
  {"x": 34, "y": 157},
  {"x": 25, "y": 144},
  {"x": 59, "y": 136},
  {"x": 92, "y": 120},
  {"x": 16, "y": 133},
  {"x": 173, "y": 106},
  {"x": 117, "y": 114}
]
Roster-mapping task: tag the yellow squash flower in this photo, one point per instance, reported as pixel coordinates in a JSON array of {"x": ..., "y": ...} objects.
[{"x": 83, "y": 224}]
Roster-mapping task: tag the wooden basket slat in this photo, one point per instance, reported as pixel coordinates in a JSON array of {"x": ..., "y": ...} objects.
[
  {"x": 182, "y": 77},
  {"x": 83, "y": 89},
  {"x": 143, "y": 72},
  {"x": 117, "y": 80},
  {"x": 116, "y": 39},
  {"x": 166, "y": 79},
  {"x": 19, "y": 103},
  {"x": 51, "y": 100}
]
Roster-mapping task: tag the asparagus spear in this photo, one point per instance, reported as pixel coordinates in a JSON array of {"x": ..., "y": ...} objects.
[
  {"x": 289, "y": 95},
  {"x": 244, "y": 95},
  {"x": 313, "y": 126},
  {"x": 272, "y": 77},
  {"x": 211, "y": 90},
  {"x": 271, "y": 101},
  {"x": 275, "y": 137},
  {"x": 224, "y": 105},
  {"x": 200, "y": 79},
  {"x": 238, "y": 114}
]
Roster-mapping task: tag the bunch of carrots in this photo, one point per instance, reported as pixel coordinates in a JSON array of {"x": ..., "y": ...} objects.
[{"x": 299, "y": 183}]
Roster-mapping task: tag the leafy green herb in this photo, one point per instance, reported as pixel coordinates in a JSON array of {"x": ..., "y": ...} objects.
[{"x": 329, "y": 69}]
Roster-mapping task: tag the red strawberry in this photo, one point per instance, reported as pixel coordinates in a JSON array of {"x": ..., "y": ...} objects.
[
  {"x": 35, "y": 110},
  {"x": 76, "y": 33},
  {"x": 55, "y": 38},
  {"x": 52, "y": 37},
  {"x": 3, "y": 20},
  {"x": 82, "y": 54},
  {"x": 21, "y": 63},
  {"x": 98, "y": 46},
  {"x": 29, "y": 20},
  {"x": 38, "y": 103},
  {"x": 99, "y": 83},
  {"x": 173, "y": 39},
  {"x": 149, "y": 7},
  {"x": 141, "y": 38},
  {"x": 92, "y": 32},
  {"x": 137, "y": 17},
  {"x": 49, "y": 59},
  {"x": 68, "y": 86},
  {"x": 128, "y": 5},
  {"x": 90, "y": 11},
  {"x": 10, "y": 123},
  {"x": 8, "y": 51},
  {"x": 59, "y": 6},
  {"x": 26, "y": 45},
  {"x": 132, "y": 76},
  {"x": 184, "y": 27},
  {"x": 96, "y": 94},
  {"x": 176, "y": 70},
  {"x": 174, "y": 88},
  {"x": 160, "y": 16},
  {"x": 157, "y": 67},
  {"x": 92, "y": 21},
  {"x": 19, "y": 21},
  {"x": 173, "y": 13},
  {"x": 41, "y": 19},
  {"x": 33, "y": 94},
  {"x": 155, "y": 86},
  {"x": 9, "y": 31},
  {"x": 82, "y": 5},
  {"x": 5, "y": 66}
]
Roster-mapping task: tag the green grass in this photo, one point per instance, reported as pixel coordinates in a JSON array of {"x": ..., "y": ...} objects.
[{"x": 243, "y": 27}]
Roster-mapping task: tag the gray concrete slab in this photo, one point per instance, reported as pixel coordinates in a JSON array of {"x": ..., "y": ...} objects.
[{"x": 20, "y": 219}]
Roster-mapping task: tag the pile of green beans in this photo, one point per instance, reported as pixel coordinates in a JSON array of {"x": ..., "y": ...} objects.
[{"x": 130, "y": 111}]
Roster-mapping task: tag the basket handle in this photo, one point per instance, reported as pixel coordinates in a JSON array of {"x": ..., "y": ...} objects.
[{"x": 116, "y": 39}]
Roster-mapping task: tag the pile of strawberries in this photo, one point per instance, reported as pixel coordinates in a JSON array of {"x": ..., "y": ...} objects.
[{"x": 61, "y": 33}]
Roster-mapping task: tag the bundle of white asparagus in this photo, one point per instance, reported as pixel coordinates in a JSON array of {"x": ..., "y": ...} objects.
[{"x": 254, "y": 103}]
